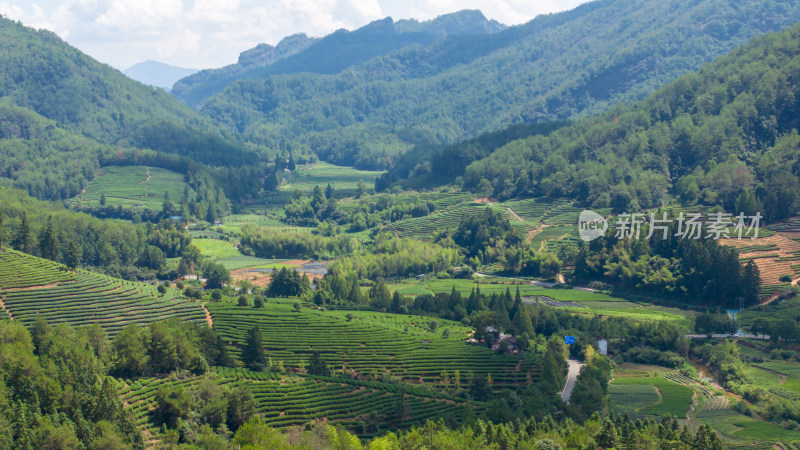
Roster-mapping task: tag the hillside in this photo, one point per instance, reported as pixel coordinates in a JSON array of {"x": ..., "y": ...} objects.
[
  {"x": 40, "y": 72},
  {"x": 555, "y": 66},
  {"x": 330, "y": 54},
  {"x": 702, "y": 139},
  {"x": 31, "y": 287}
]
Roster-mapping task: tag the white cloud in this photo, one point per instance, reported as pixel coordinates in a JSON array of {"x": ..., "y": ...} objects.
[{"x": 212, "y": 33}]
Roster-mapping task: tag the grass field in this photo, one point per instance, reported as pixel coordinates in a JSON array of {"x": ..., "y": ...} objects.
[
  {"x": 130, "y": 186},
  {"x": 370, "y": 343},
  {"x": 227, "y": 255},
  {"x": 321, "y": 174},
  {"x": 31, "y": 286}
]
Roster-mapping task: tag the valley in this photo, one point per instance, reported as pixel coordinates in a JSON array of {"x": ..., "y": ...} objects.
[{"x": 582, "y": 231}]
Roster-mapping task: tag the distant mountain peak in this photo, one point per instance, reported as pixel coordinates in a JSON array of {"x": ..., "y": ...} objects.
[
  {"x": 333, "y": 53},
  {"x": 265, "y": 54},
  {"x": 466, "y": 21},
  {"x": 157, "y": 73}
]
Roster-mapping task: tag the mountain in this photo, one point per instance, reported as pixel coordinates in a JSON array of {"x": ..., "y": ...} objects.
[
  {"x": 157, "y": 74},
  {"x": 42, "y": 73},
  {"x": 725, "y": 136},
  {"x": 556, "y": 66},
  {"x": 195, "y": 89},
  {"x": 63, "y": 115},
  {"x": 333, "y": 53}
]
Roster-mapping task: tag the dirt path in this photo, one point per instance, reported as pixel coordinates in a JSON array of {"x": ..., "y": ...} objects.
[
  {"x": 83, "y": 191},
  {"x": 146, "y": 179},
  {"x": 4, "y": 308},
  {"x": 533, "y": 233},
  {"x": 209, "y": 319},
  {"x": 32, "y": 288},
  {"x": 515, "y": 215}
]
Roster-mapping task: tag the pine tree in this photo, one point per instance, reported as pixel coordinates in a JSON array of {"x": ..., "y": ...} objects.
[
  {"x": 355, "y": 297},
  {"x": 48, "y": 243},
  {"x": 329, "y": 191},
  {"x": 608, "y": 435},
  {"x": 379, "y": 295},
  {"x": 72, "y": 256},
  {"x": 317, "y": 366},
  {"x": 522, "y": 322},
  {"x": 253, "y": 354},
  {"x": 24, "y": 240},
  {"x": 517, "y": 305},
  {"x": 3, "y": 234},
  {"x": 102, "y": 199}
]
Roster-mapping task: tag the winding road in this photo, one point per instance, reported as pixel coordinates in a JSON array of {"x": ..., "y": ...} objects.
[{"x": 572, "y": 376}]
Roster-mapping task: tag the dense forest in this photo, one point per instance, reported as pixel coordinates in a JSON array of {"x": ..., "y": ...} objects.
[
  {"x": 65, "y": 115},
  {"x": 702, "y": 139},
  {"x": 131, "y": 251},
  {"x": 554, "y": 67},
  {"x": 43, "y": 73}
]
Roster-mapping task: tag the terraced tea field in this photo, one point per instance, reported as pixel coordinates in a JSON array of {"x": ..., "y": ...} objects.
[
  {"x": 366, "y": 408},
  {"x": 370, "y": 343},
  {"x": 529, "y": 217},
  {"x": 132, "y": 186},
  {"x": 31, "y": 286},
  {"x": 775, "y": 256},
  {"x": 672, "y": 398}
]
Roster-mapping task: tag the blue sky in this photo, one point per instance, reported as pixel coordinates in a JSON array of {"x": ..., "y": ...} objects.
[{"x": 211, "y": 33}]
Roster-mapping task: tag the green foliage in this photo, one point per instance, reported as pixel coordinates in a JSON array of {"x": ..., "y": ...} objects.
[
  {"x": 317, "y": 366},
  {"x": 698, "y": 136},
  {"x": 398, "y": 258},
  {"x": 690, "y": 270},
  {"x": 269, "y": 243},
  {"x": 288, "y": 283},
  {"x": 164, "y": 347},
  {"x": 253, "y": 353},
  {"x": 47, "y": 397}
]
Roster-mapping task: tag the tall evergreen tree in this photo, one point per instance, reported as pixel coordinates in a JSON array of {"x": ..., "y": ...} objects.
[
  {"x": 317, "y": 366},
  {"x": 24, "y": 238},
  {"x": 48, "y": 242},
  {"x": 355, "y": 296},
  {"x": 3, "y": 233},
  {"x": 379, "y": 295},
  {"x": 253, "y": 353},
  {"x": 72, "y": 256}
]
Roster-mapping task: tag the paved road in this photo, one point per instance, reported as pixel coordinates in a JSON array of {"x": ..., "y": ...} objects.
[{"x": 572, "y": 376}]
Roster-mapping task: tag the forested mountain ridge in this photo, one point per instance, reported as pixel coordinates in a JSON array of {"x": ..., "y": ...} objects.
[
  {"x": 556, "y": 66},
  {"x": 331, "y": 54},
  {"x": 41, "y": 72},
  {"x": 715, "y": 137}
]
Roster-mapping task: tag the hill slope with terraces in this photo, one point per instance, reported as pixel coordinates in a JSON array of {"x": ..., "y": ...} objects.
[
  {"x": 31, "y": 286},
  {"x": 776, "y": 254}
]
